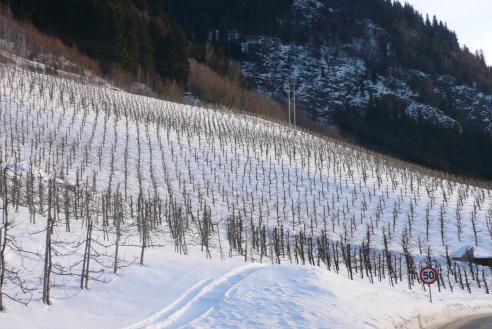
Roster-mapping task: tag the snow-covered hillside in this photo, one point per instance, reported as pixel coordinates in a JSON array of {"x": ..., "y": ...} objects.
[{"x": 113, "y": 175}]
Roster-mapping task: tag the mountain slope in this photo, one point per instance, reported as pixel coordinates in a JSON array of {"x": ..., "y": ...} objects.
[
  {"x": 141, "y": 40},
  {"x": 390, "y": 79},
  {"x": 301, "y": 231},
  {"x": 368, "y": 63}
]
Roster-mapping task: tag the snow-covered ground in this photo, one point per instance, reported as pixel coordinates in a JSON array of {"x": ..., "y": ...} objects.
[
  {"x": 174, "y": 291},
  {"x": 154, "y": 177}
]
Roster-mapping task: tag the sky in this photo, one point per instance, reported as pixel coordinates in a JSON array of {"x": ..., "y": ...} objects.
[{"x": 470, "y": 19}]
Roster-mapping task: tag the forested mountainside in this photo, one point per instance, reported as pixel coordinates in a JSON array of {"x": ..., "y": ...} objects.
[
  {"x": 389, "y": 78},
  {"x": 141, "y": 38},
  {"x": 376, "y": 68}
]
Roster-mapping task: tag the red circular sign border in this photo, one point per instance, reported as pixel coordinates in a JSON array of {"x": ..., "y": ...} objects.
[{"x": 429, "y": 268}]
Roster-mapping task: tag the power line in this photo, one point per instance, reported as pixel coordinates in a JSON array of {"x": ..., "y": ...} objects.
[
  {"x": 171, "y": 65},
  {"x": 409, "y": 149},
  {"x": 163, "y": 63}
]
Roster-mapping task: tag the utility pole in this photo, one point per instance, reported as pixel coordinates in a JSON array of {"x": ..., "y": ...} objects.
[
  {"x": 295, "y": 123},
  {"x": 288, "y": 98}
]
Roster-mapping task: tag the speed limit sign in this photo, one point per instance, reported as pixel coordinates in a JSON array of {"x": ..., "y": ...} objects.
[{"x": 429, "y": 275}]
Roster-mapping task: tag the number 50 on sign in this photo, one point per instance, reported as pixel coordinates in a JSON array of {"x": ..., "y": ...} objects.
[{"x": 429, "y": 275}]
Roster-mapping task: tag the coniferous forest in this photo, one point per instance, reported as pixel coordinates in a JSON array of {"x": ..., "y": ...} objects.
[{"x": 137, "y": 33}]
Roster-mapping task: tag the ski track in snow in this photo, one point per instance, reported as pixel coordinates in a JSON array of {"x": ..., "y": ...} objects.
[
  {"x": 289, "y": 296},
  {"x": 197, "y": 301}
]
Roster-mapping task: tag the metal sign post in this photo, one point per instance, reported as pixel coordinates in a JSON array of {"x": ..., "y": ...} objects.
[{"x": 428, "y": 276}]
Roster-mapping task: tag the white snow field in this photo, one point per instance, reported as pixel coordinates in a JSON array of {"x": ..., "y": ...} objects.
[
  {"x": 174, "y": 291},
  {"x": 125, "y": 211}
]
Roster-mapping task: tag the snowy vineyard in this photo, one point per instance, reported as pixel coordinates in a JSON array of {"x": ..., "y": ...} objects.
[{"x": 92, "y": 176}]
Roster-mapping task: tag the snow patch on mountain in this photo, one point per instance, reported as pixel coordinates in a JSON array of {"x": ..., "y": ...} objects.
[
  {"x": 427, "y": 112},
  {"x": 308, "y": 8},
  {"x": 331, "y": 76}
]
